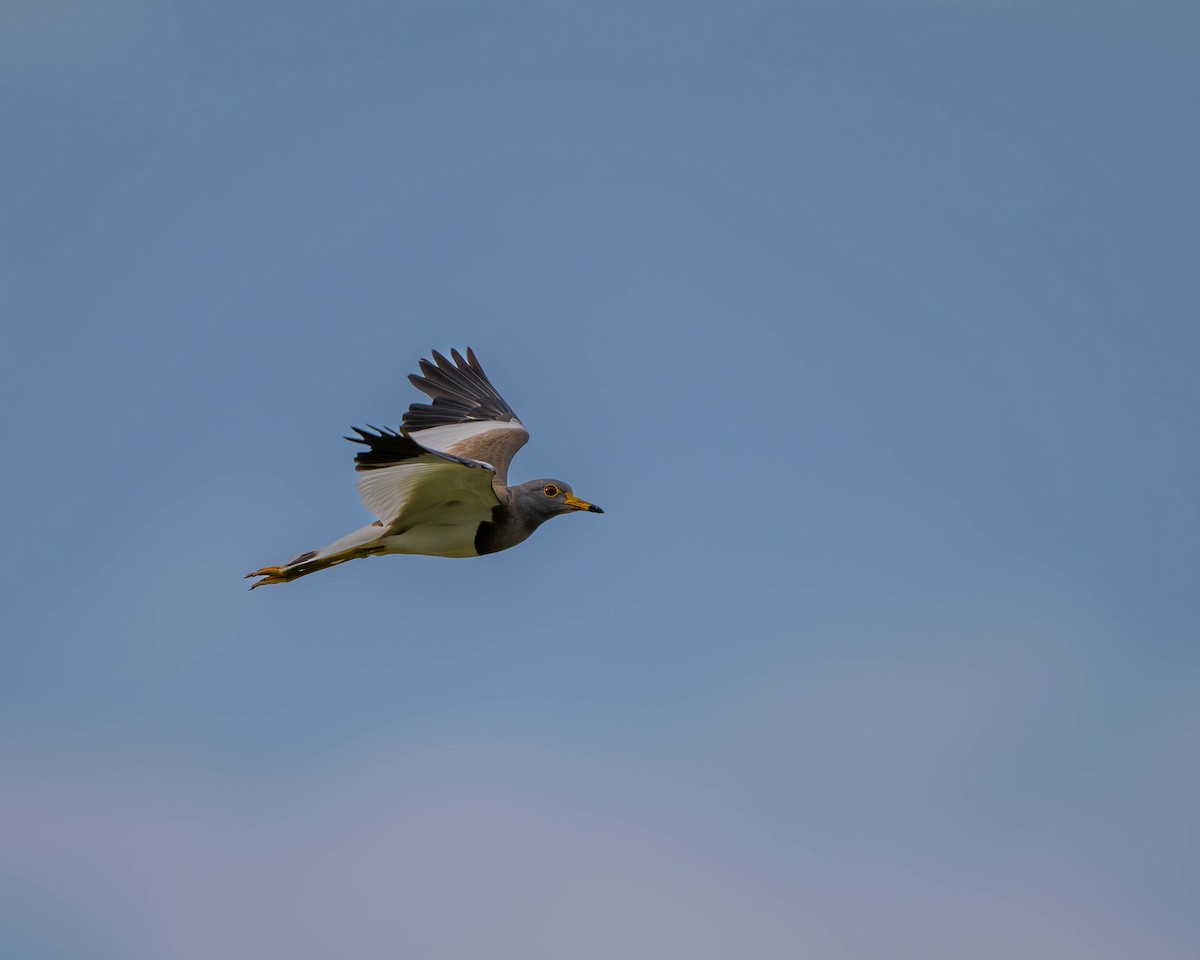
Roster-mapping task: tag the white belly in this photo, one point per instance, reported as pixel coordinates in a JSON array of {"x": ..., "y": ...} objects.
[{"x": 436, "y": 540}]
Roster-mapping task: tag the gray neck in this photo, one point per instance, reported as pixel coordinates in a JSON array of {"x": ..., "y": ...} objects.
[{"x": 505, "y": 529}]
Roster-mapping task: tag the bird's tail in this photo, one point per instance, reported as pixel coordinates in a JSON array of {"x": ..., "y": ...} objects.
[{"x": 361, "y": 543}]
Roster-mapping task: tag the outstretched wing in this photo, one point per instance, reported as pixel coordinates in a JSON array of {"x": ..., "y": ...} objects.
[
  {"x": 404, "y": 484},
  {"x": 467, "y": 418}
]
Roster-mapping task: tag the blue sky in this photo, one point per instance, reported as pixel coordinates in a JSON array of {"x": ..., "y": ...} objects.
[{"x": 871, "y": 326}]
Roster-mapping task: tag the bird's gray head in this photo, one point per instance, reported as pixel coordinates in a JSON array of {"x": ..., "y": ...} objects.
[{"x": 537, "y": 501}]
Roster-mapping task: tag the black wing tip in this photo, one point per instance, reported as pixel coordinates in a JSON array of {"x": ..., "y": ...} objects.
[
  {"x": 381, "y": 433},
  {"x": 457, "y": 364},
  {"x": 458, "y": 357},
  {"x": 459, "y": 390},
  {"x": 386, "y": 447},
  {"x": 443, "y": 362}
]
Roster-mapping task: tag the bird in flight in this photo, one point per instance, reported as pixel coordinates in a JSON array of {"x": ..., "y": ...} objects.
[{"x": 440, "y": 486}]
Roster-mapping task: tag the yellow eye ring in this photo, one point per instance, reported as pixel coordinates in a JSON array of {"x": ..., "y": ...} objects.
[{"x": 550, "y": 490}]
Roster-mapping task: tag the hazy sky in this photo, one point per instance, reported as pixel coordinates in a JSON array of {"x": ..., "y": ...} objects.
[{"x": 873, "y": 328}]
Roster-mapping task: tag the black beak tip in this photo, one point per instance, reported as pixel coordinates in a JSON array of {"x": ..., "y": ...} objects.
[{"x": 594, "y": 509}]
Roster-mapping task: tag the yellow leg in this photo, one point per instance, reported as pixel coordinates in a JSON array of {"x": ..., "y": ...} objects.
[
  {"x": 269, "y": 575},
  {"x": 302, "y": 567}
]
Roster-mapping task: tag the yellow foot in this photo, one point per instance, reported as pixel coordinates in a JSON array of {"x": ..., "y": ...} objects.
[{"x": 269, "y": 575}]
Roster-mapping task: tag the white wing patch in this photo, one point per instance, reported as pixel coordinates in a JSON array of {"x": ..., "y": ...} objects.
[
  {"x": 443, "y": 438},
  {"x": 428, "y": 489}
]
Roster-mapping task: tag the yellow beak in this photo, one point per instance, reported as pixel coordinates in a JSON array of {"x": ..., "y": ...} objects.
[{"x": 576, "y": 504}]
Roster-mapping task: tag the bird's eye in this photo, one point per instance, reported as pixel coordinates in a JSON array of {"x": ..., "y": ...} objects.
[{"x": 550, "y": 490}]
